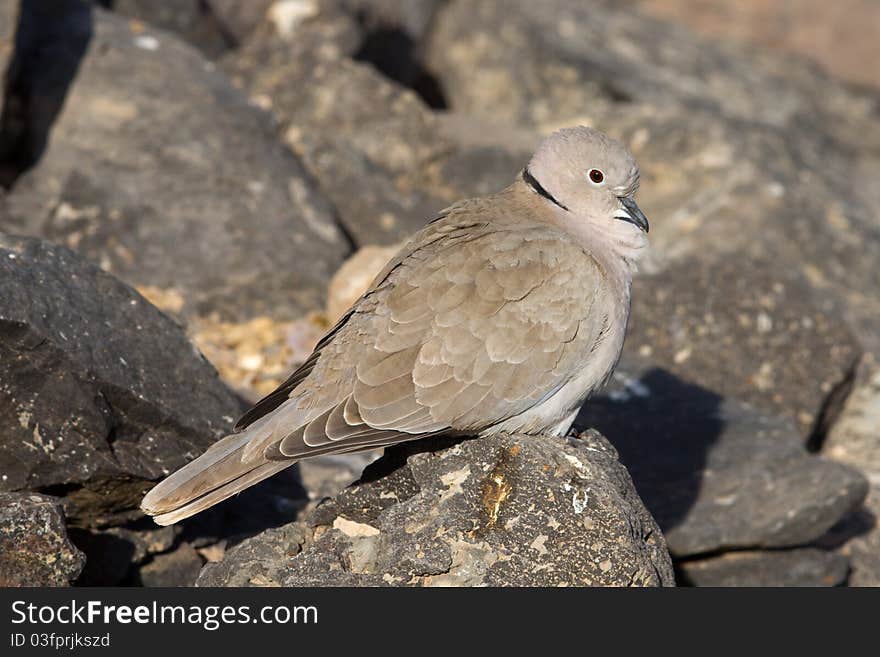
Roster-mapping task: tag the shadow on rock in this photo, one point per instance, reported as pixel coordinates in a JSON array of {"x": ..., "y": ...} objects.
[
  {"x": 663, "y": 428},
  {"x": 50, "y": 41},
  {"x": 716, "y": 473}
]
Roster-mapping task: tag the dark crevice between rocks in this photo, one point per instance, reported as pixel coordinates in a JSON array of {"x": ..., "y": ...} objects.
[
  {"x": 99, "y": 502},
  {"x": 395, "y": 54},
  {"x": 51, "y": 38},
  {"x": 351, "y": 243},
  {"x": 831, "y": 408},
  {"x": 58, "y": 490},
  {"x": 730, "y": 549}
]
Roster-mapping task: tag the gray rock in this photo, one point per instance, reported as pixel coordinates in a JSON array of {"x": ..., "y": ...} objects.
[
  {"x": 799, "y": 567},
  {"x": 258, "y": 561},
  {"x": 100, "y": 393},
  {"x": 509, "y": 510},
  {"x": 327, "y": 476},
  {"x": 162, "y": 173},
  {"x": 366, "y": 138},
  {"x": 754, "y": 333},
  {"x": 412, "y": 17},
  {"x": 385, "y": 159},
  {"x": 193, "y": 20},
  {"x": 114, "y": 554},
  {"x": 812, "y": 28},
  {"x": 239, "y": 18},
  {"x": 180, "y": 567},
  {"x": 716, "y": 473},
  {"x": 854, "y": 439},
  {"x": 34, "y": 547},
  {"x": 529, "y": 62},
  {"x": 51, "y": 37}
]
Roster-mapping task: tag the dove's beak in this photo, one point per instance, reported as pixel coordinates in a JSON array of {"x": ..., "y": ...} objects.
[{"x": 631, "y": 212}]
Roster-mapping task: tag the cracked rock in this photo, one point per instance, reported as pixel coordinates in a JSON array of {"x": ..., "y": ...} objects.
[
  {"x": 100, "y": 393},
  {"x": 507, "y": 510}
]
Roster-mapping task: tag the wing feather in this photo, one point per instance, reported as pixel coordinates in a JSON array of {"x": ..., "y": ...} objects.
[{"x": 453, "y": 335}]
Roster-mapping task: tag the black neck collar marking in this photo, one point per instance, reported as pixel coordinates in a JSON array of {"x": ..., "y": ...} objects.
[{"x": 532, "y": 182}]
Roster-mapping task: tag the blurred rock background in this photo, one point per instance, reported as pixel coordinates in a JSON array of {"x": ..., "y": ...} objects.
[{"x": 247, "y": 167}]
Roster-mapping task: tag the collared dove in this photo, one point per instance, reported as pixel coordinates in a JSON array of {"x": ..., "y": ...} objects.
[{"x": 500, "y": 315}]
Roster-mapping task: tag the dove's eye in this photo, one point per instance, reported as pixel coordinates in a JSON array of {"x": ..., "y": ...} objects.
[{"x": 596, "y": 176}]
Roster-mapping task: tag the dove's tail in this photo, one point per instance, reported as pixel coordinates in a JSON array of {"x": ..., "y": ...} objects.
[{"x": 219, "y": 473}]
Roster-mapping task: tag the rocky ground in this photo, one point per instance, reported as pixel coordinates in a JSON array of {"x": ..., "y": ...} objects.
[{"x": 224, "y": 177}]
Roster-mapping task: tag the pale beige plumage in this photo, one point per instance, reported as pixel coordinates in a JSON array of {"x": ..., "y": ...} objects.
[{"x": 502, "y": 314}]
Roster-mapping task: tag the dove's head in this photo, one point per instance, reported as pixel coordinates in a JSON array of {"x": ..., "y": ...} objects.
[{"x": 590, "y": 179}]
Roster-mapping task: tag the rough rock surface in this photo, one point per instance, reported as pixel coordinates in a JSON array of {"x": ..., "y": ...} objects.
[
  {"x": 366, "y": 137},
  {"x": 830, "y": 34},
  {"x": 855, "y": 440},
  {"x": 757, "y": 334},
  {"x": 538, "y": 62},
  {"x": 34, "y": 547},
  {"x": 238, "y": 18},
  {"x": 163, "y": 173},
  {"x": 100, "y": 393},
  {"x": 716, "y": 473},
  {"x": 180, "y": 567},
  {"x": 388, "y": 162},
  {"x": 509, "y": 510},
  {"x": 800, "y": 567},
  {"x": 194, "y": 21}
]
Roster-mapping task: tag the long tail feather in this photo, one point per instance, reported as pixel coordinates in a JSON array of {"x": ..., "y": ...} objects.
[
  {"x": 216, "y": 475},
  {"x": 222, "y": 492}
]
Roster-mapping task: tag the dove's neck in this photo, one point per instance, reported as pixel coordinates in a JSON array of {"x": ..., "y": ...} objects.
[
  {"x": 618, "y": 251},
  {"x": 616, "y": 245}
]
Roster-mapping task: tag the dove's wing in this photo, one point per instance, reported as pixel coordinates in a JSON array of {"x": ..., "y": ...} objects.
[
  {"x": 469, "y": 330},
  {"x": 472, "y": 324}
]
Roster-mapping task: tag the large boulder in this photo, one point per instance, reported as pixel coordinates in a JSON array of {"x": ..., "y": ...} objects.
[
  {"x": 716, "y": 473},
  {"x": 34, "y": 547},
  {"x": 101, "y": 393},
  {"x": 507, "y": 510},
  {"x": 164, "y": 174},
  {"x": 539, "y": 63},
  {"x": 755, "y": 333}
]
